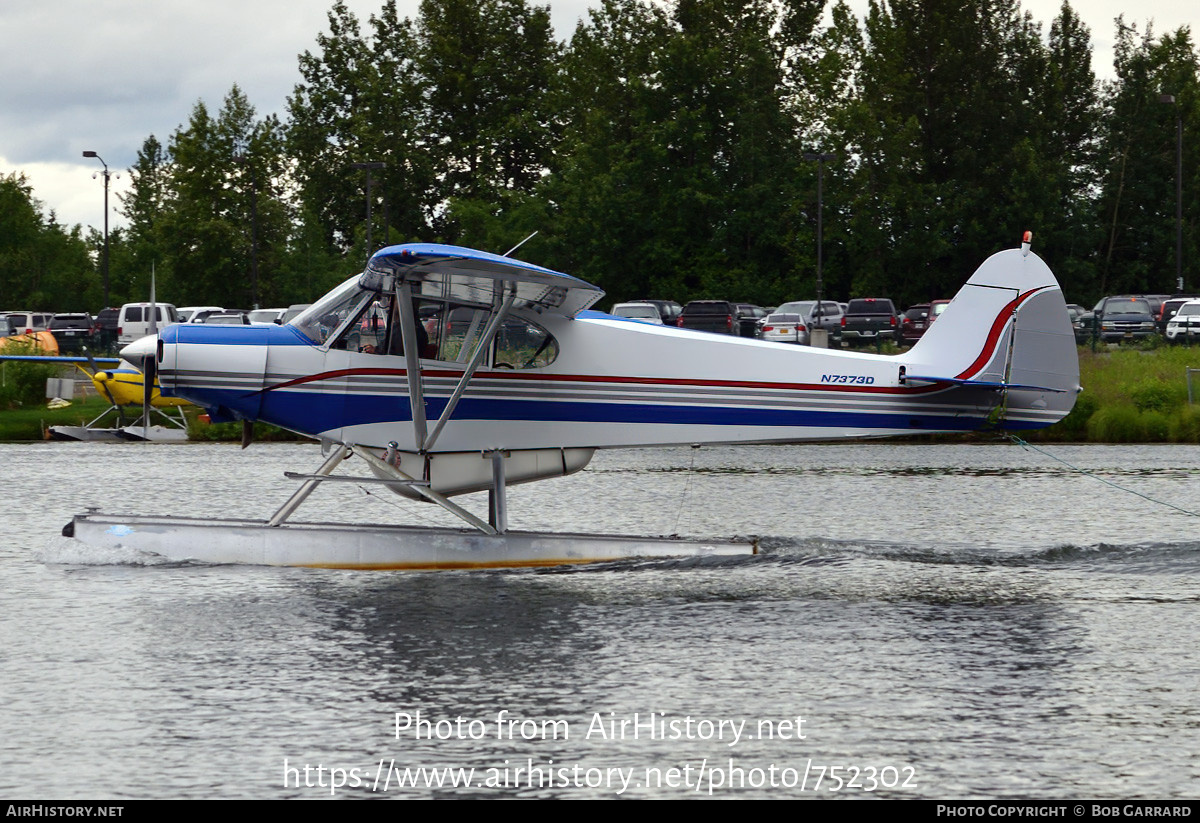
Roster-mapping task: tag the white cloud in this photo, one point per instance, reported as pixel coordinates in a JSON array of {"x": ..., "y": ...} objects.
[{"x": 106, "y": 74}]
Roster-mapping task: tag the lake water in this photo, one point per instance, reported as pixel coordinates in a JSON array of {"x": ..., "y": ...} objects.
[{"x": 926, "y": 621}]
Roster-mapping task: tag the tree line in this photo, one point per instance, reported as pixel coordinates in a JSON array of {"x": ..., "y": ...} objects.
[{"x": 660, "y": 152}]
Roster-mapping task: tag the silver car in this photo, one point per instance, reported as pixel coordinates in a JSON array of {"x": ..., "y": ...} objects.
[{"x": 785, "y": 327}]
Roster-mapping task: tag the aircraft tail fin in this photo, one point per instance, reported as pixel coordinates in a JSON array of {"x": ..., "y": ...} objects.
[{"x": 1007, "y": 329}]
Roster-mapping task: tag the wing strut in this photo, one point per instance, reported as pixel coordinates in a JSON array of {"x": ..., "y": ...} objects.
[
  {"x": 476, "y": 359},
  {"x": 301, "y": 494}
]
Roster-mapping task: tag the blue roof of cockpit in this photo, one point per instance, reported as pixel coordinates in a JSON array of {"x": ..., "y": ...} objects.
[{"x": 471, "y": 268}]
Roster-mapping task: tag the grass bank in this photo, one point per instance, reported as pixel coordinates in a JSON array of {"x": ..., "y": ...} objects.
[
  {"x": 1132, "y": 395},
  {"x": 30, "y": 422}
]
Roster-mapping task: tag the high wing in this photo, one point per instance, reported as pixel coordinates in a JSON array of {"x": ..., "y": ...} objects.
[{"x": 469, "y": 275}]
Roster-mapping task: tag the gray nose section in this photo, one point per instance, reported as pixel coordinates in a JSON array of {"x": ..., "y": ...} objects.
[{"x": 138, "y": 351}]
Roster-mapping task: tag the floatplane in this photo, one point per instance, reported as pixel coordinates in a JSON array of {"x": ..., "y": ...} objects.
[
  {"x": 446, "y": 371},
  {"x": 161, "y": 419},
  {"x": 124, "y": 386}
]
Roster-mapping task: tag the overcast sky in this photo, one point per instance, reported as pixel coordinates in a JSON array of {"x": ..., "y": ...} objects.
[{"x": 103, "y": 75}]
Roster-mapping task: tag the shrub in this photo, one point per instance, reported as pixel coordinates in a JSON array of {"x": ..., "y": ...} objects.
[
  {"x": 1185, "y": 425},
  {"x": 1116, "y": 424},
  {"x": 1156, "y": 395},
  {"x": 1155, "y": 427},
  {"x": 1075, "y": 425},
  {"x": 23, "y": 383}
]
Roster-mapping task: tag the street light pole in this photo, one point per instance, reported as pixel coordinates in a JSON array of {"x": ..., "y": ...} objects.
[
  {"x": 1170, "y": 98},
  {"x": 821, "y": 160},
  {"x": 106, "y": 176},
  {"x": 369, "y": 167}
]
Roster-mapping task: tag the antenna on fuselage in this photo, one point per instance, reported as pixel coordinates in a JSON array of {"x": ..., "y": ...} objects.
[{"x": 522, "y": 243}]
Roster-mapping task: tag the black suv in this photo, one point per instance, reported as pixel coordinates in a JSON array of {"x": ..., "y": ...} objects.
[{"x": 71, "y": 331}]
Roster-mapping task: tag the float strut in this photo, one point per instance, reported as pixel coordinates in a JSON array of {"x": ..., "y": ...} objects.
[
  {"x": 301, "y": 494},
  {"x": 497, "y": 502}
]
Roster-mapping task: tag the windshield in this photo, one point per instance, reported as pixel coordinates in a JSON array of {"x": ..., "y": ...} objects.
[{"x": 324, "y": 317}]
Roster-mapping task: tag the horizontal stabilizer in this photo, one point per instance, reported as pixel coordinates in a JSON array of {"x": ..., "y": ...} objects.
[{"x": 980, "y": 384}]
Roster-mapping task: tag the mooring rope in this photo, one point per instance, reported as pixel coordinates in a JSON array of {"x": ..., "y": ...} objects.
[
  {"x": 1025, "y": 444},
  {"x": 395, "y": 504}
]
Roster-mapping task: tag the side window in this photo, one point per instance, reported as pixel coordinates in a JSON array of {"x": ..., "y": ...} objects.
[
  {"x": 521, "y": 344},
  {"x": 460, "y": 331}
]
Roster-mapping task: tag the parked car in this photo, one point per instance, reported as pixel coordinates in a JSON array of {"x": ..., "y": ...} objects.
[
  {"x": 1184, "y": 325},
  {"x": 785, "y": 327},
  {"x": 913, "y": 323},
  {"x": 936, "y": 307},
  {"x": 197, "y": 314},
  {"x": 1124, "y": 319},
  {"x": 870, "y": 319},
  {"x": 226, "y": 318},
  {"x": 72, "y": 331},
  {"x": 646, "y": 312},
  {"x": 293, "y": 311},
  {"x": 1156, "y": 302},
  {"x": 134, "y": 321},
  {"x": 29, "y": 322},
  {"x": 106, "y": 330},
  {"x": 748, "y": 317},
  {"x": 668, "y": 310},
  {"x": 709, "y": 315},
  {"x": 1074, "y": 312},
  {"x": 829, "y": 317},
  {"x": 1169, "y": 307},
  {"x": 266, "y": 317}
]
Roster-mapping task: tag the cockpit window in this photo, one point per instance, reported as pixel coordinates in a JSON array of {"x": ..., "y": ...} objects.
[
  {"x": 521, "y": 344},
  {"x": 449, "y": 331}
]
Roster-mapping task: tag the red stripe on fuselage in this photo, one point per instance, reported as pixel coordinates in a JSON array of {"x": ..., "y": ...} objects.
[
  {"x": 985, "y": 355},
  {"x": 589, "y": 378}
]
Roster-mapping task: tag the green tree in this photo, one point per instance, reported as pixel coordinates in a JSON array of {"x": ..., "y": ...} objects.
[
  {"x": 1138, "y": 152},
  {"x": 223, "y": 209},
  {"x": 948, "y": 134},
  {"x": 1070, "y": 109},
  {"x": 362, "y": 100},
  {"x": 43, "y": 264},
  {"x": 680, "y": 154},
  {"x": 134, "y": 252}
]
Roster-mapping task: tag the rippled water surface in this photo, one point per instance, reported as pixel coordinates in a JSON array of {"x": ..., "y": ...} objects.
[{"x": 936, "y": 621}]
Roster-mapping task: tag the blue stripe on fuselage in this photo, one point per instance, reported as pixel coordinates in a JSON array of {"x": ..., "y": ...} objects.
[
  {"x": 315, "y": 412},
  {"x": 199, "y": 333}
]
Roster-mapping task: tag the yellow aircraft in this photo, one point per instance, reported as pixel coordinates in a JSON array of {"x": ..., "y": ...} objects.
[{"x": 126, "y": 386}]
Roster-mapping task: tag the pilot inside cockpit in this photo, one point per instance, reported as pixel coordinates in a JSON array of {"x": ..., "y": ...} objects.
[{"x": 381, "y": 332}]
